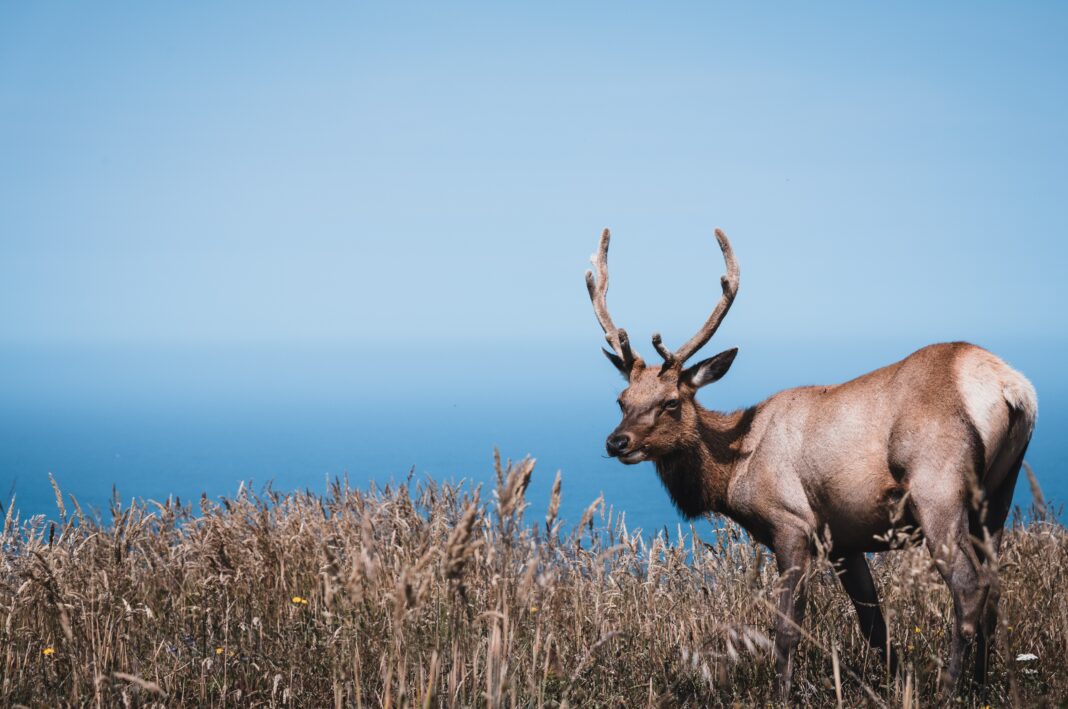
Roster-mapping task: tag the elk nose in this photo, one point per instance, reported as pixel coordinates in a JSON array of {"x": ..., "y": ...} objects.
[{"x": 617, "y": 444}]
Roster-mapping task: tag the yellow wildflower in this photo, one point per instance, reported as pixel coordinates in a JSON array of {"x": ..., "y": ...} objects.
[
  {"x": 48, "y": 651},
  {"x": 220, "y": 650},
  {"x": 533, "y": 609},
  {"x": 917, "y": 630},
  {"x": 297, "y": 600}
]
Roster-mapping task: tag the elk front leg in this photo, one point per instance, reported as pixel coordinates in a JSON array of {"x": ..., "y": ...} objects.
[
  {"x": 792, "y": 555},
  {"x": 857, "y": 581}
]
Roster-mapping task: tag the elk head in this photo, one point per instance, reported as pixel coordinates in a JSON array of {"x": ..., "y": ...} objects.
[{"x": 660, "y": 414}]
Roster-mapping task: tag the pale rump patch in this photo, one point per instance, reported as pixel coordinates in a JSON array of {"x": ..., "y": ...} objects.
[
  {"x": 988, "y": 388},
  {"x": 1020, "y": 394}
]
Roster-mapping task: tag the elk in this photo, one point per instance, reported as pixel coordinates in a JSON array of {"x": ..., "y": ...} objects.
[{"x": 931, "y": 443}]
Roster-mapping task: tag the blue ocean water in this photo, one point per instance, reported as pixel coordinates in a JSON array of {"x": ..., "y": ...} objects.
[{"x": 160, "y": 421}]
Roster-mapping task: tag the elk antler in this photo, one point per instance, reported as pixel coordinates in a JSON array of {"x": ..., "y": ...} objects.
[
  {"x": 730, "y": 289},
  {"x": 616, "y": 337}
]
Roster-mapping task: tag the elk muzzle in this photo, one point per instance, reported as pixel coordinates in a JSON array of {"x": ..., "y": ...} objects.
[
  {"x": 618, "y": 444},
  {"x": 621, "y": 444}
]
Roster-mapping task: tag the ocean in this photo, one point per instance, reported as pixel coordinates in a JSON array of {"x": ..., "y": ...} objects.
[{"x": 177, "y": 420}]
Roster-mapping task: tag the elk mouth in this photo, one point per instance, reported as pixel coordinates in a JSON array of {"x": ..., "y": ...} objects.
[{"x": 635, "y": 456}]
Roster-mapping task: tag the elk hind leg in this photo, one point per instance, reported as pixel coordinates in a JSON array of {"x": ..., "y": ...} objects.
[
  {"x": 943, "y": 516},
  {"x": 993, "y": 523},
  {"x": 984, "y": 640}
]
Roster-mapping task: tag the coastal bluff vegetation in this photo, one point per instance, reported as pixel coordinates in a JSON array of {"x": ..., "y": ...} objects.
[{"x": 425, "y": 594}]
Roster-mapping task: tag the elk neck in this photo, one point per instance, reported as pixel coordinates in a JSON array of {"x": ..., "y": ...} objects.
[{"x": 698, "y": 473}]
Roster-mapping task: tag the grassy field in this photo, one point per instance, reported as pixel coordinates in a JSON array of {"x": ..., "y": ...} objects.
[{"x": 428, "y": 595}]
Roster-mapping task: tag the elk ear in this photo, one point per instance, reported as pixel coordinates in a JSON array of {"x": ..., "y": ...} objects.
[
  {"x": 618, "y": 362},
  {"x": 709, "y": 370}
]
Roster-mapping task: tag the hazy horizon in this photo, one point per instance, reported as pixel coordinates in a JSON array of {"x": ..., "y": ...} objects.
[{"x": 161, "y": 420}]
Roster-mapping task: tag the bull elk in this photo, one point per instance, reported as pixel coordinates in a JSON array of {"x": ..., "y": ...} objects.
[{"x": 933, "y": 443}]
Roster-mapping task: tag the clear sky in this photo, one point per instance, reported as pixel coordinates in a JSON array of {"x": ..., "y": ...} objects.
[
  {"x": 394, "y": 173},
  {"x": 288, "y": 240}
]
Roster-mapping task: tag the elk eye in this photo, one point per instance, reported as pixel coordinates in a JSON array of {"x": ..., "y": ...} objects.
[{"x": 671, "y": 404}]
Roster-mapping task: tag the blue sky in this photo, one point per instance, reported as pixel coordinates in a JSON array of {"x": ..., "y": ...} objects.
[
  {"x": 393, "y": 173},
  {"x": 289, "y": 240}
]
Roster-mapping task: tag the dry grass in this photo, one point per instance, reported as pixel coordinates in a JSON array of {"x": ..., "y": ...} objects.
[{"x": 443, "y": 595}]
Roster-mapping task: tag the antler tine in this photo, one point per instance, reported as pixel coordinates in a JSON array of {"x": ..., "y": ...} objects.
[
  {"x": 598, "y": 288},
  {"x": 668, "y": 355},
  {"x": 730, "y": 284}
]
